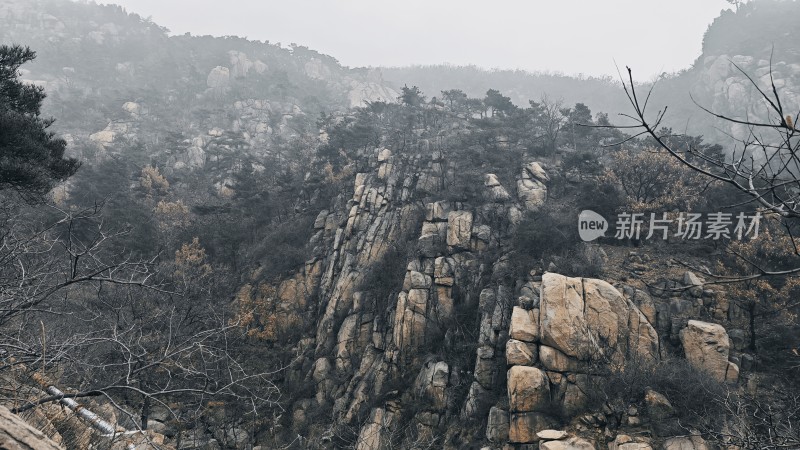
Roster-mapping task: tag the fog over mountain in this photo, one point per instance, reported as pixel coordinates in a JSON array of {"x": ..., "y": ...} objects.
[
  {"x": 572, "y": 37},
  {"x": 293, "y": 225}
]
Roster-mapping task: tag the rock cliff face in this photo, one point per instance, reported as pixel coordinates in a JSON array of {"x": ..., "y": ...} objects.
[
  {"x": 433, "y": 343},
  {"x": 450, "y": 345},
  {"x": 574, "y": 325},
  {"x": 415, "y": 327},
  {"x": 725, "y": 86}
]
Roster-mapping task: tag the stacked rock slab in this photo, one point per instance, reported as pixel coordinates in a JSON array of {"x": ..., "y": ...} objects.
[
  {"x": 553, "y": 344},
  {"x": 531, "y": 188}
]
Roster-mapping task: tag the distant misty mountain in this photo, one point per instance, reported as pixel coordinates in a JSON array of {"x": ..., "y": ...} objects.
[
  {"x": 600, "y": 94},
  {"x": 749, "y": 37}
]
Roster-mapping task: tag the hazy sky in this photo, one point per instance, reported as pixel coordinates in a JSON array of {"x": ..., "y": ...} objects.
[{"x": 570, "y": 36}]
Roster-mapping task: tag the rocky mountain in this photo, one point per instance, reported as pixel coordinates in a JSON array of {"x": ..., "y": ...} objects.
[
  {"x": 133, "y": 76},
  {"x": 407, "y": 270}
]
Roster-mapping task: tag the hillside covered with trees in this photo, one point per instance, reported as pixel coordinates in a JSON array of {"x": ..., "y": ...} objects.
[{"x": 223, "y": 243}]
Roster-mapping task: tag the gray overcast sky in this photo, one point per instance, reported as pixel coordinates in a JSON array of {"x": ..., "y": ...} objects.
[{"x": 569, "y": 36}]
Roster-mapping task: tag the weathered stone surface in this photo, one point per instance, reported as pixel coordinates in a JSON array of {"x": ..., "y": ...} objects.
[
  {"x": 552, "y": 435},
  {"x": 645, "y": 303},
  {"x": 561, "y": 314},
  {"x": 219, "y": 78},
  {"x": 491, "y": 180},
  {"x": 732, "y": 374},
  {"x": 353, "y": 334},
  {"x": 579, "y": 314},
  {"x": 322, "y": 370},
  {"x": 524, "y": 426},
  {"x": 534, "y": 170},
  {"x": 384, "y": 155},
  {"x": 696, "y": 283},
  {"x": 240, "y": 64},
  {"x": 459, "y": 229},
  {"x": 707, "y": 347},
  {"x": 528, "y": 389},
  {"x": 497, "y": 425},
  {"x": 496, "y": 191},
  {"x": 520, "y": 353},
  {"x": 443, "y": 271},
  {"x": 437, "y": 211},
  {"x": 363, "y": 92},
  {"x": 524, "y": 325},
  {"x": 575, "y": 399},
  {"x": 476, "y": 402},
  {"x": 416, "y": 280},
  {"x": 531, "y": 189},
  {"x": 104, "y": 137},
  {"x": 418, "y": 300},
  {"x": 410, "y": 321},
  {"x": 374, "y": 435},
  {"x": 320, "y": 221},
  {"x": 132, "y": 108},
  {"x": 625, "y": 442},
  {"x": 16, "y": 434},
  {"x": 658, "y": 407},
  {"x": 685, "y": 443},
  {"x": 531, "y": 193},
  {"x": 573, "y": 443},
  {"x": 632, "y": 446},
  {"x": 432, "y": 382},
  {"x": 557, "y": 361}
]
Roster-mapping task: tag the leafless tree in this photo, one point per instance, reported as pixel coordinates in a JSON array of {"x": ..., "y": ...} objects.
[
  {"x": 763, "y": 165},
  {"x": 39, "y": 263},
  {"x": 553, "y": 119},
  {"x": 101, "y": 323}
]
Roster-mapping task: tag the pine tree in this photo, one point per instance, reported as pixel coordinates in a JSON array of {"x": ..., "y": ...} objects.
[{"x": 31, "y": 157}]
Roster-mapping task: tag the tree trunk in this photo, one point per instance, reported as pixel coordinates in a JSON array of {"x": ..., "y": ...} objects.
[
  {"x": 752, "y": 312},
  {"x": 145, "y": 411}
]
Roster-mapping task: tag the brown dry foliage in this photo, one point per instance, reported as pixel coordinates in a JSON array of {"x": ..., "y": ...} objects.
[{"x": 653, "y": 180}]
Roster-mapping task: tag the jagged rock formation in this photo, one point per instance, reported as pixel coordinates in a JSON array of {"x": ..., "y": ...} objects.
[
  {"x": 531, "y": 187},
  {"x": 390, "y": 358},
  {"x": 575, "y": 324},
  {"x": 372, "y": 338},
  {"x": 415, "y": 327}
]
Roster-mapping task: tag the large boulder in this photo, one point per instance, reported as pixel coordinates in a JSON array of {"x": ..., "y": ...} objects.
[
  {"x": 219, "y": 78},
  {"x": 707, "y": 347},
  {"x": 534, "y": 171},
  {"x": 587, "y": 318},
  {"x": 524, "y": 325},
  {"x": 573, "y": 443},
  {"x": 497, "y": 425},
  {"x": 497, "y": 193},
  {"x": 240, "y": 64},
  {"x": 528, "y": 389},
  {"x": 531, "y": 188},
  {"x": 520, "y": 353}
]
